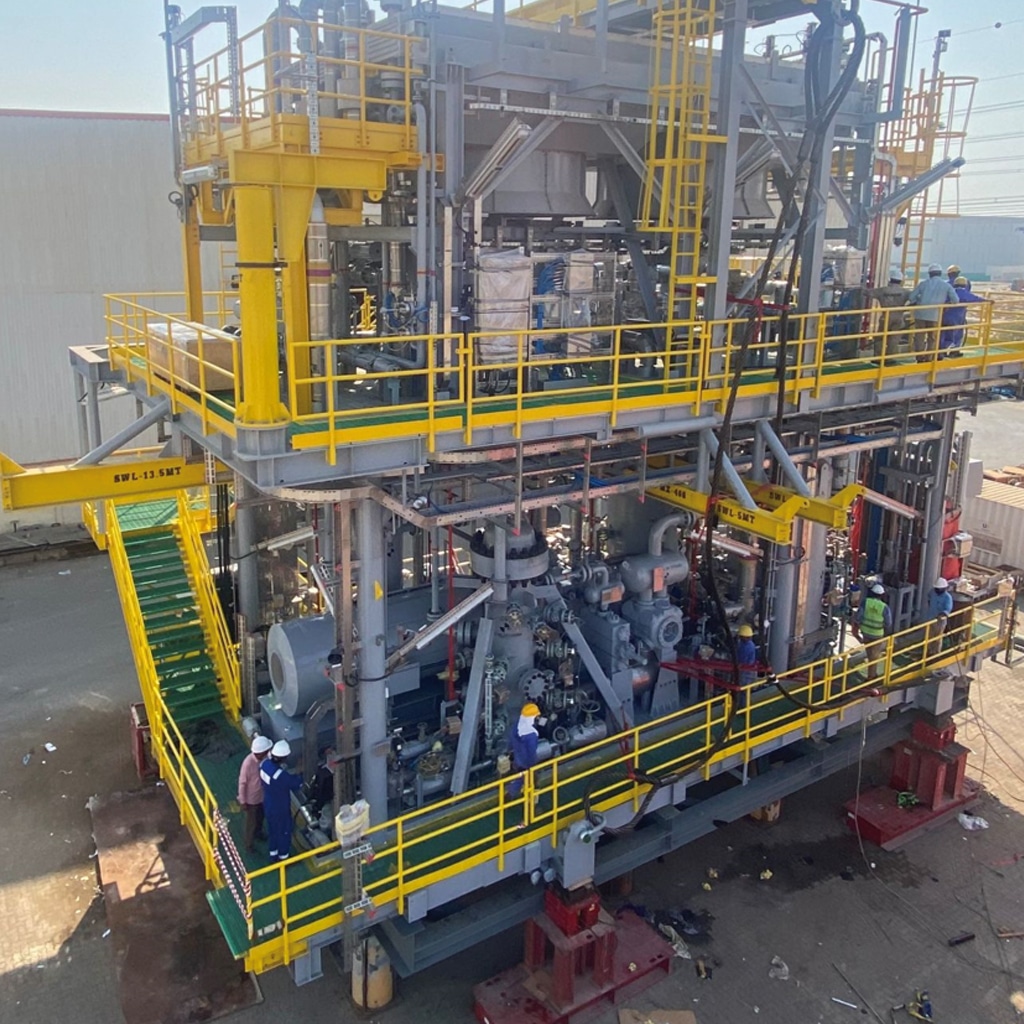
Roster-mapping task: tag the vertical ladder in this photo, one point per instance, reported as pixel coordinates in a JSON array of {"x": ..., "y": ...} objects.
[{"x": 677, "y": 144}]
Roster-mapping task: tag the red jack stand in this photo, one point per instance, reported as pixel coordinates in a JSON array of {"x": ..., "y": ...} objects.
[
  {"x": 573, "y": 966},
  {"x": 932, "y": 767}
]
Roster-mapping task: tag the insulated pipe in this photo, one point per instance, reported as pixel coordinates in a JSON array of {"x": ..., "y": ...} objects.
[
  {"x": 108, "y": 447},
  {"x": 657, "y": 535}
]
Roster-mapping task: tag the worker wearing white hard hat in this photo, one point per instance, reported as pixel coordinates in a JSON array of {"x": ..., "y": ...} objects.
[
  {"x": 250, "y": 790},
  {"x": 928, "y": 298},
  {"x": 871, "y": 626},
  {"x": 940, "y": 607},
  {"x": 890, "y": 330},
  {"x": 278, "y": 786}
]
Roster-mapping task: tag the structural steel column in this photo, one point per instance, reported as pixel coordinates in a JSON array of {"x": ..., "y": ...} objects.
[
  {"x": 371, "y": 619},
  {"x": 935, "y": 515},
  {"x": 92, "y": 407},
  {"x": 723, "y": 182},
  {"x": 812, "y": 569},
  {"x": 254, "y": 224},
  {"x": 247, "y": 575}
]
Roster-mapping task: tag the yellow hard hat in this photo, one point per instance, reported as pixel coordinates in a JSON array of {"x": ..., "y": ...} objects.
[
  {"x": 961, "y": 282},
  {"x": 952, "y": 269},
  {"x": 530, "y": 710},
  {"x": 745, "y": 630}
]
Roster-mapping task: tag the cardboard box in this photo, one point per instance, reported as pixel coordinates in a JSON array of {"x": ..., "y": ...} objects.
[
  {"x": 181, "y": 354},
  {"x": 657, "y": 1017}
]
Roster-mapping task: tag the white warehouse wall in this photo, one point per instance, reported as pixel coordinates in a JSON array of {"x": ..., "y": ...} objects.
[
  {"x": 983, "y": 247},
  {"x": 83, "y": 212}
]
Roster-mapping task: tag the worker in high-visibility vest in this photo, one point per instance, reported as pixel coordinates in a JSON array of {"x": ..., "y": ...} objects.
[{"x": 872, "y": 625}]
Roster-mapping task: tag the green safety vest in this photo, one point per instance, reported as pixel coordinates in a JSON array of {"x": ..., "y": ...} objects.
[{"x": 872, "y": 622}]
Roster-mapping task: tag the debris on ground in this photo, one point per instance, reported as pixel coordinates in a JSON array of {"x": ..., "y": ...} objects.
[
  {"x": 681, "y": 949},
  {"x": 766, "y": 875},
  {"x": 706, "y": 886},
  {"x": 960, "y": 938},
  {"x": 779, "y": 969},
  {"x": 50, "y": 748},
  {"x": 843, "y": 1002},
  {"x": 64, "y": 572},
  {"x": 712, "y": 874},
  {"x": 1006, "y": 933},
  {"x": 971, "y": 822},
  {"x": 27, "y": 758},
  {"x": 703, "y": 969}
]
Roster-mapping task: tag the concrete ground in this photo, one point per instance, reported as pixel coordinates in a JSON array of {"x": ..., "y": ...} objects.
[{"x": 66, "y": 678}]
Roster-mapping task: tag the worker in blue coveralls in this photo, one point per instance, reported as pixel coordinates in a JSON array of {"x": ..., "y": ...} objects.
[
  {"x": 954, "y": 319},
  {"x": 940, "y": 607},
  {"x": 278, "y": 786},
  {"x": 524, "y": 745},
  {"x": 746, "y": 655}
]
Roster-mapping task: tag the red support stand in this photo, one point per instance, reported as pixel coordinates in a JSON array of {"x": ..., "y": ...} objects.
[
  {"x": 933, "y": 767},
  {"x": 575, "y": 957}
]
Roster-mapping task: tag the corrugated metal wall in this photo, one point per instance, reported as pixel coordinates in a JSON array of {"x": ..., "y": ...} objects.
[{"x": 83, "y": 211}]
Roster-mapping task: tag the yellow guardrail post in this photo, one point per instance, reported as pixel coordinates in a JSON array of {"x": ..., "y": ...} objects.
[
  {"x": 400, "y": 858},
  {"x": 554, "y": 804}
]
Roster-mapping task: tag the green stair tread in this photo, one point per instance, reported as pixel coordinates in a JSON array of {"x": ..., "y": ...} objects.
[{"x": 231, "y": 921}]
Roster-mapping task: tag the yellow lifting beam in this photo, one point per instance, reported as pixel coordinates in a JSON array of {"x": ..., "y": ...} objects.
[
  {"x": 59, "y": 485},
  {"x": 832, "y": 512},
  {"x": 775, "y": 525}
]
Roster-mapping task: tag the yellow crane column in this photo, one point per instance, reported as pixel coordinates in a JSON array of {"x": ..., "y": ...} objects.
[{"x": 260, "y": 405}]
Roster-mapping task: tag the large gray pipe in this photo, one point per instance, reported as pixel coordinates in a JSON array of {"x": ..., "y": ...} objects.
[
  {"x": 370, "y": 616},
  {"x": 657, "y": 535}
]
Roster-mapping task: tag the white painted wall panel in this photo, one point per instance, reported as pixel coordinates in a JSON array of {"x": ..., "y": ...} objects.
[
  {"x": 83, "y": 212},
  {"x": 995, "y": 518}
]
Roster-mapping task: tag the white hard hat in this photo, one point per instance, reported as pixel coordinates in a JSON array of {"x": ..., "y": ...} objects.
[
  {"x": 941, "y": 583},
  {"x": 934, "y": 268},
  {"x": 895, "y": 275},
  {"x": 876, "y": 589},
  {"x": 281, "y": 749},
  {"x": 261, "y": 744}
]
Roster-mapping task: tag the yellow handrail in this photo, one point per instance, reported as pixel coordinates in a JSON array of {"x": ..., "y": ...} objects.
[
  {"x": 687, "y": 363},
  {"x": 604, "y": 775},
  {"x": 178, "y": 768},
  {"x": 218, "y": 636}
]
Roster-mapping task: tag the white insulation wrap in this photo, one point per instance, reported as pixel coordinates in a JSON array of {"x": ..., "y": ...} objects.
[
  {"x": 504, "y": 283},
  {"x": 579, "y": 290}
]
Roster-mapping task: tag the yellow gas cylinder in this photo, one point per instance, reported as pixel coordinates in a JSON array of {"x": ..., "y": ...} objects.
[{"x": 372, "y": 980}]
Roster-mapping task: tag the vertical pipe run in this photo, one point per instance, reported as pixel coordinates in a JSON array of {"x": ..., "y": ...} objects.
[
  {"x": 782, "y": 609},
  {"x": 83, "y": 416},
  {"x": 318, "y": 283},
  {"x": 370, "y": 616}
]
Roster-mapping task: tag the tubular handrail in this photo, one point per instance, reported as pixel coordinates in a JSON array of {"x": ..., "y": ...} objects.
[
  {"x": 225, "y": 655},
  {"x": 478, "y": 380}
]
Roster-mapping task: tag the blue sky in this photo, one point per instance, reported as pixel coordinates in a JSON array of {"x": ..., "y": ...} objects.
[{"x": 107, "y": 55}]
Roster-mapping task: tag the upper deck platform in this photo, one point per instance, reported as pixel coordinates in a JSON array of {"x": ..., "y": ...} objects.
[{"x": 394, "y": 402}]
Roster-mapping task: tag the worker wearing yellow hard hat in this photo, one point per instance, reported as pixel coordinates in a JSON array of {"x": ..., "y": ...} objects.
[
  {"x": 746, "y": 654},
  {"x": 524, "y": 745}
]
